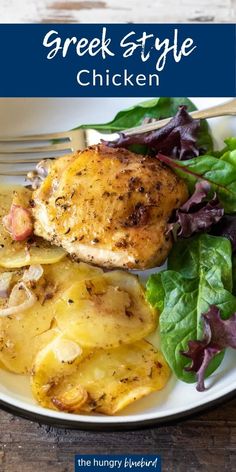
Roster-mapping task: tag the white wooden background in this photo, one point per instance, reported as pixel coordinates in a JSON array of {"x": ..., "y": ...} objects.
[{"x": 111, "y": 11}]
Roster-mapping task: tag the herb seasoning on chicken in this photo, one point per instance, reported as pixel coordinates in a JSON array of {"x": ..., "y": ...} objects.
[{"x": 109, "y": 207}]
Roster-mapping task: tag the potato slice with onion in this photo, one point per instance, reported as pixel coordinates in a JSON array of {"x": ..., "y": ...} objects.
[
  {"x": 16, "y": 254},
  {"x": 24, "y": 333},
  {"x": 103, "y": 381},
  {"x": 105, "y": 311},
  {"x": 54, "y": 362}
]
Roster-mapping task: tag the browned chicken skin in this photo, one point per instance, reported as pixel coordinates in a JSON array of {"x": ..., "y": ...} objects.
[{"x": 109, "y": 207}]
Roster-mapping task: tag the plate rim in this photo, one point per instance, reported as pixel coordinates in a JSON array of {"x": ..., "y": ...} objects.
[
  {"x": 121, "y": 426},
  {"x": 75, "y": 423}
]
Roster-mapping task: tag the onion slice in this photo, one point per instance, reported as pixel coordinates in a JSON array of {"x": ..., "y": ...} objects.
[
  {"x": 14, "y": 308},
  {"x": 66, "y": 350},
  {"x": 33, "y": 274},
  {"x": 5, "y": 282}
]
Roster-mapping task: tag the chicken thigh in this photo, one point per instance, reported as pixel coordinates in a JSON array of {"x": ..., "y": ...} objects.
[{"x": 109, "y": 207}]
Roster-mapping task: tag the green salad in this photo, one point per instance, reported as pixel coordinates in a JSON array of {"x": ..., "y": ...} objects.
[{"x": 196, "y": 295}]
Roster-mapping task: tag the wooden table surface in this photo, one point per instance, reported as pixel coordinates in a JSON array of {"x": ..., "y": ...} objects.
[
  {"x": 203, "y": 443},
  {"x": 115, "y": 11}
]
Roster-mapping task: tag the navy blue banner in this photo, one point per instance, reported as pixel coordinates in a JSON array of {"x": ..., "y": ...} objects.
[
  {"x": 120, "y": 463},
  {"x": 119, "y": 60}
]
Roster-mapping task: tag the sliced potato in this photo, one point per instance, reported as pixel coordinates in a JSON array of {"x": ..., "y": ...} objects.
[
  {"x": 24, "y": 334},
  {"x": 21, "y": 336},
  {"x": 56, "y": 361},
  {"x": 15, "y": 254},
  {"x": 113, "y": 379},
  {"x": 66, "y": 272},
  {"x": 105, "y": 311},
  {"x": 104, "y": 381}
]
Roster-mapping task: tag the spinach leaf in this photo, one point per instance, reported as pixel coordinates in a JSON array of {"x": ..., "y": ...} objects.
[
  {"x": 230, "y": 143},
  {"x": 180, "y": 321},
  {"x": 230, "y": 157},
  {"x": 230, "y": 146},
  {"x": 191, "y": 257},
  {"x": 157, "y": 108},
  {"x": 219, "y": 170},
  {"x": 199, "y": 275},
  {"x": 155, "y": 293},
  {"x": 220, "y": 173}
]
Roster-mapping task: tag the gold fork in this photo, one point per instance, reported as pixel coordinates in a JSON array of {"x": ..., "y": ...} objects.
[{"x": 19, "y": 154}]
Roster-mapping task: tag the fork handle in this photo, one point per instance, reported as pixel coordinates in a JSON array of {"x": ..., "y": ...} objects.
[{"x": 227, "y": 108}]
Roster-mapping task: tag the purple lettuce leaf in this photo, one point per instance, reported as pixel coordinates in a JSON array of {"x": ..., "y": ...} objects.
[
  {"x": 218, "y": 334},
  {"x": 226, "y": 228},
  {"x": 177, "y": 139},
  {"x": 201, "y": 191},
  {"x": 197, "y": 214}
]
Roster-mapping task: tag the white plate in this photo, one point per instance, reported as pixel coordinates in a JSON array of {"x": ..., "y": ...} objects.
[{"x": 26, "y": 116}]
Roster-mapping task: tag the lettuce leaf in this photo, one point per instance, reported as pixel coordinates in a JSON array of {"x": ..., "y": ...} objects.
[
  {"x": 198, "y": 276},
  {"x": 177, "y": 139},
  {"x": 219, "y": 173},
  {"x": 197, "y": 214},
  {"x": 219, "y": 170},
  {"x": 217, "y": 335},
  {"x": 157, "y": 108},
  {"x": 230, "y": 145}
]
